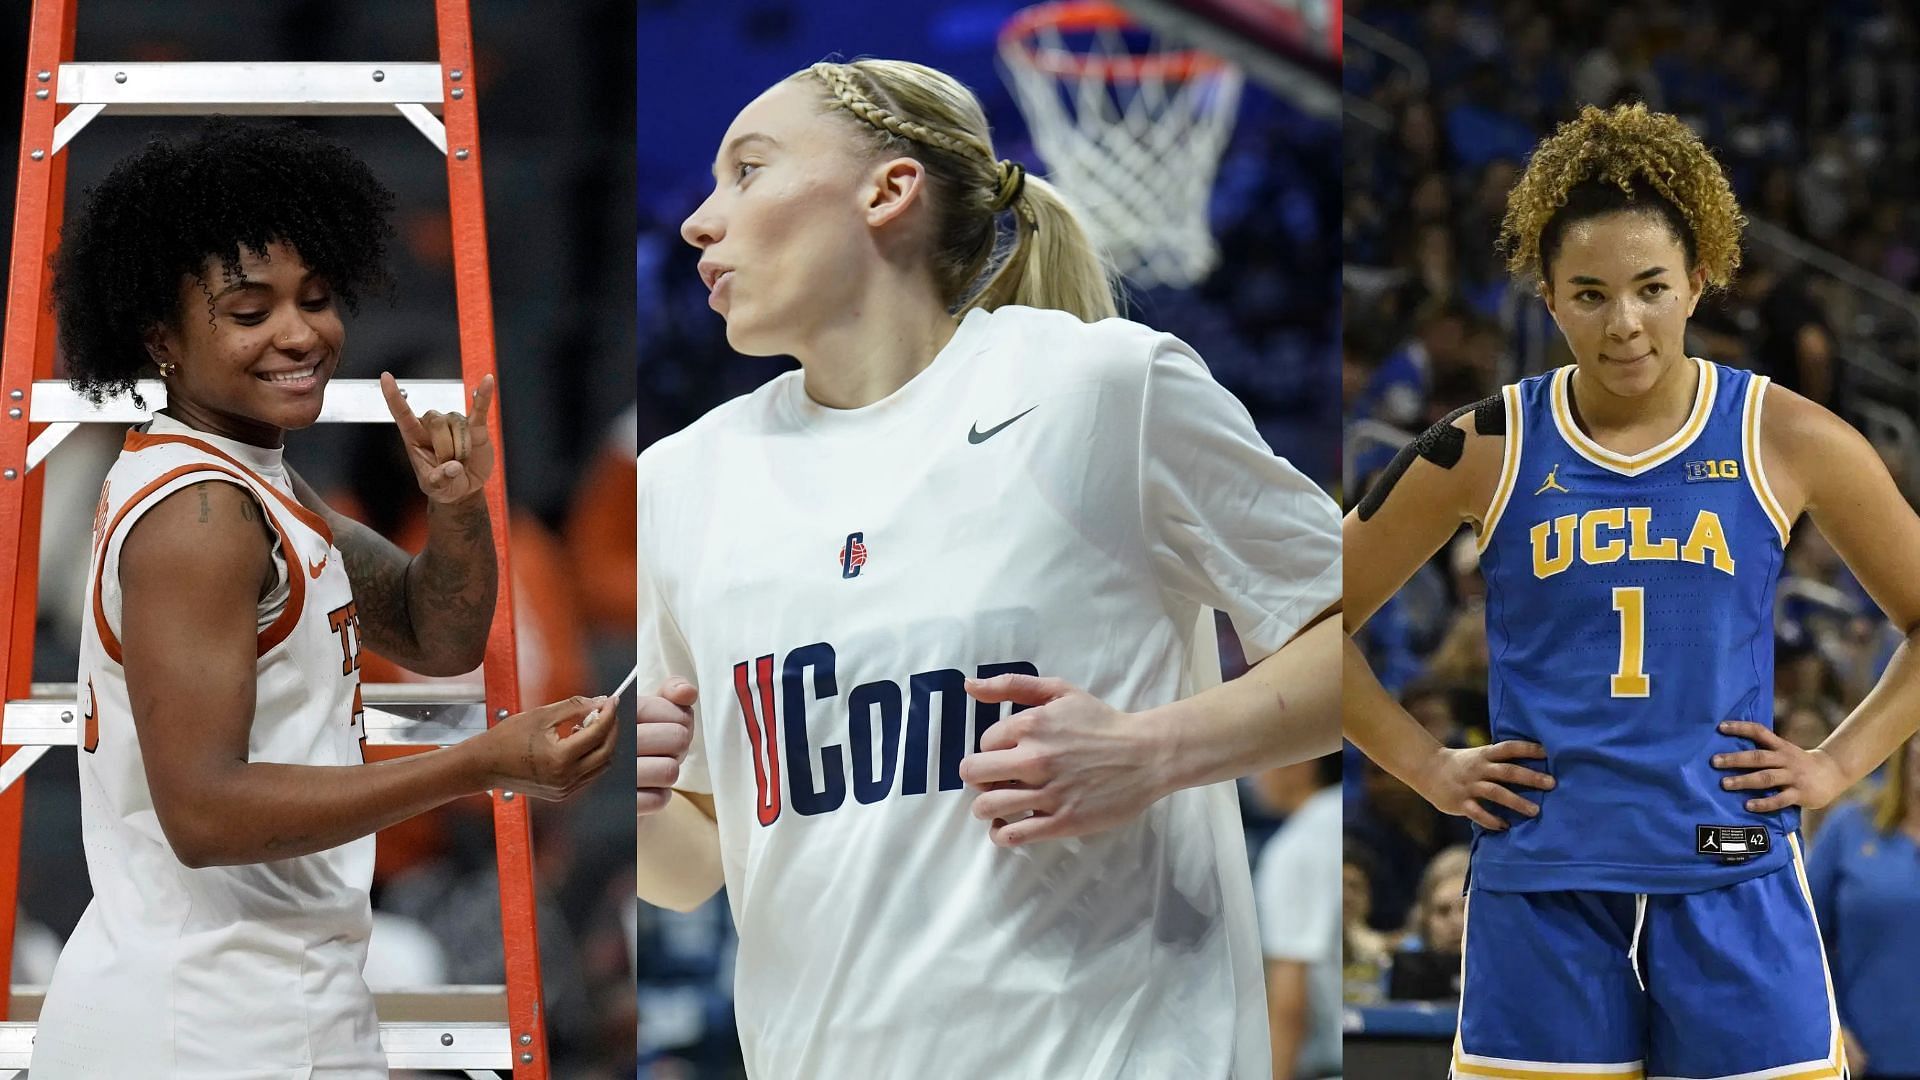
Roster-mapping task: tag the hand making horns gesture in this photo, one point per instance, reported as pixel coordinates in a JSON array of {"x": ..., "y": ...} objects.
[{"x": 451, "y": 454}]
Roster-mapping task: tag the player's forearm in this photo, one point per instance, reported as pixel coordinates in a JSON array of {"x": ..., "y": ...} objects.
[
  {"x": 1284, "y": 709},
  {"x": 252, "y": 812},
  {"x": 429, "y": 612},
  {"x": 1373, "y": 721},
  {"x": 452, "y": 585},
  {"x": 677, "y": 863},
  {"x": 1286, "y": 1013},
  {"x": 1888, "y": 716}
]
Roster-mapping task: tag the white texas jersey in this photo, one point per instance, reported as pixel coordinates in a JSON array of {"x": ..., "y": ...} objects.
[
  {"x": 227, "y": 971},
  {"x": 1047, "y": 497}
]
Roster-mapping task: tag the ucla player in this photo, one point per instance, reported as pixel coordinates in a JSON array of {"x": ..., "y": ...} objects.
[
  {"x": 226, "y": 811},
  {"x": 931, "y": 621},
  {"x": 1636, "y": 907}
]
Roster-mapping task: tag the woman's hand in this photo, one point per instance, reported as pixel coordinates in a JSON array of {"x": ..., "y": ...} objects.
[
  {"x": 1462, "y": 782},
  {"x": 1807, "y": 778},
  {"x": 1068, "y": 765},
  {"x": 662, "y": 736},
  {"x": 549, "y": 752},
  {"x": 451, "y": 454}
]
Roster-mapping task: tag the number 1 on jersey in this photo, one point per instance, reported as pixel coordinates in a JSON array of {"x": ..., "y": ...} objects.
[{"x": 1631, "y": 680}]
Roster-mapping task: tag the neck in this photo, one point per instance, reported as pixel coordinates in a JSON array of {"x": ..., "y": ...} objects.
[
  {"x": 875, "y": 345},
  {"x": 225, "y": 425},
  {"x": 1659, "y": 412}
]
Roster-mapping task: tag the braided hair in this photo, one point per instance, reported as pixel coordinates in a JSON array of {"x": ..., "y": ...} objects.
[{"x": 910, "y": 110}]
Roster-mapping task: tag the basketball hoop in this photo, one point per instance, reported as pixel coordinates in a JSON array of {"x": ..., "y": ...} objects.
[{"x": 1131, "y": 126}]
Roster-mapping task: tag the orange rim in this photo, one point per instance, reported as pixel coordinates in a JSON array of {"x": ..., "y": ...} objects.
[{"x": 1019, "y": 35}]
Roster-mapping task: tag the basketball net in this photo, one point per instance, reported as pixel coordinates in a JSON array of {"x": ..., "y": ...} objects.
[{"x": 1131, "y": 127}]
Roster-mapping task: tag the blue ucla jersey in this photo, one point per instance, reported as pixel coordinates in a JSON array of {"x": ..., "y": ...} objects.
[{"x": 1629, "y": 613}]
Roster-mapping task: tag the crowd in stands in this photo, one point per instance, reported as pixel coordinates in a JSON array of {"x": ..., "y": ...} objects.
[{"x": 1812, "y": 109}]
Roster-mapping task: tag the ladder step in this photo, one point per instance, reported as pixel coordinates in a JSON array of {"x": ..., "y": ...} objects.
[
  {"x": 350, "y": 401},
  {"x": 398, "y": 714},
  {"x": 415, "y": 1045},
  {"x": 257, "y": 89},
  {"x": 409, "y": 1045},
  {"x": 443, "y": 1003}
]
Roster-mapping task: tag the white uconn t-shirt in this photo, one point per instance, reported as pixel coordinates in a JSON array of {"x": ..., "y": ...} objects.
[{"x": 1048, "y": 497}]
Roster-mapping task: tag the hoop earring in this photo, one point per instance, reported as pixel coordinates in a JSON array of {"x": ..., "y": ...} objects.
[{"x": 167, "y": 369}]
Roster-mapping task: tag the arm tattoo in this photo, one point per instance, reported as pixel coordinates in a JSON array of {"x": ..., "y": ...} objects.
[
  {"x": 378, "y": 570},
  {"x": 430, "y": 612},
  {"x": 455, "y": 578},
  {"x": 206, "y": 511}
]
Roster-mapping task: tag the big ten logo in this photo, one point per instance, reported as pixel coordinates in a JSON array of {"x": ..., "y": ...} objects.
[
  {"x": 345, "y": 621},
  {"x": 892, "y": 726},
  {"x": 1721, "y": 469}
]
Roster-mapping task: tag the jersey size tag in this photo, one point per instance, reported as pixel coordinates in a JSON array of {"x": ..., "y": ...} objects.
[{"x": 1732, "y": 843}]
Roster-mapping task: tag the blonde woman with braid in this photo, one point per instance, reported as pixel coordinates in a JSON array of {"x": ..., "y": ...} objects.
[
  {"x": 1637, "y": 904},
  {"x": 923, "y": 618}
]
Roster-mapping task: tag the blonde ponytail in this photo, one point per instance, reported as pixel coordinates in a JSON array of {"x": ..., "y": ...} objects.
[
  {"x": 1053, "y": 262},
  {"x": 1050, "y": 260}
]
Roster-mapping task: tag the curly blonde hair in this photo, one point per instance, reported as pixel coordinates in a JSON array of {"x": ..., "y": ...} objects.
[{"x": 1624, "y": 158}]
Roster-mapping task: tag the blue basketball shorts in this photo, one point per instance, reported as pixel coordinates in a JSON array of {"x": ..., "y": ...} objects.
[{"x": 1728, "y": 984}]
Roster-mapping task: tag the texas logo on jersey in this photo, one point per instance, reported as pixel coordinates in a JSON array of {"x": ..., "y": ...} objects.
[{"x": 100, "y": 513}]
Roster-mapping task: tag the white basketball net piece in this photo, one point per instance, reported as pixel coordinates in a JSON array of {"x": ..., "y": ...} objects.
[{"x": 1131, "y": 127}]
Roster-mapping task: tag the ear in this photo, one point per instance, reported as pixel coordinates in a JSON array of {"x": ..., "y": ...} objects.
[
  {"x": 895, "y": 185},
  {"x": 162, "y": 343},
  {"x": 1698, "y": 279},
  {"x": 1545, "y": 289}
]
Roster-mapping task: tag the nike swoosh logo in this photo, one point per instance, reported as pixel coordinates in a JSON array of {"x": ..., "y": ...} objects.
[
  {"x": 976, "y": 436},
  {"x": 314, "y": 568}
]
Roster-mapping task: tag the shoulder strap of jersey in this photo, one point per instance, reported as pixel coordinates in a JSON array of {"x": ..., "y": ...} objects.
[
  {"x": 148, "y": 496},
  {"x": 141, "y": 440},
  {"x": 1510, "y": 451},
  {"x": 1756, "y": 397}
]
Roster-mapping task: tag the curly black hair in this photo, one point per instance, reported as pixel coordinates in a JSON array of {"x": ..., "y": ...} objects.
[{"x": 162, "y": 213}]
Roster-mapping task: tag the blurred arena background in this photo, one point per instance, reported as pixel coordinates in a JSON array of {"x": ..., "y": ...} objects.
[
  {"x": 1265, "y": 319},
  {"x": 556, "y": 111},
  {"x": 1814, "y": 109}
]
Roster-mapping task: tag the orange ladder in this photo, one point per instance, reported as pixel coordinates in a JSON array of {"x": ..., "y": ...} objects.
[{"x": 37, "y": 412}]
